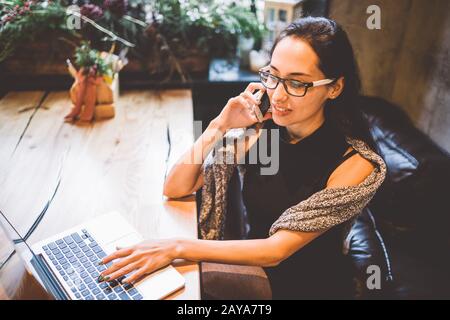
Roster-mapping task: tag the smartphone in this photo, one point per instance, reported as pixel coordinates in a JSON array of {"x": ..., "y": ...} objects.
[
  {"x": 265, "y": 103},
  {"x": 264, "y": 106}
]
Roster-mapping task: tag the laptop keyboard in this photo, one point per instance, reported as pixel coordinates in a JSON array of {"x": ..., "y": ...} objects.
[{"x": 76, "y": 258}]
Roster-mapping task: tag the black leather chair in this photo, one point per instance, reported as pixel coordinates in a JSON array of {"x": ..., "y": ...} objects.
[
  {"x": 405, "y": 229},
  {"x": 408, "y": 230}
]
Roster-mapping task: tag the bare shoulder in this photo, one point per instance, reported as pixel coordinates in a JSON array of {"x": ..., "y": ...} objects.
[{"x": 351, "y": 172}]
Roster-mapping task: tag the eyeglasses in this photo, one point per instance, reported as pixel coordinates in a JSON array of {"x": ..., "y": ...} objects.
[{"x": 293, "y": 87}]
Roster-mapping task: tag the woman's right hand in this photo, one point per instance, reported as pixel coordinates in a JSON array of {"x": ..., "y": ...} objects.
[{"x": 238, "y": 112}]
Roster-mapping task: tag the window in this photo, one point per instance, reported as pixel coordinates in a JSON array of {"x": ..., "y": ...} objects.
[
  {"x": 282, "y": 15},
  {"x": 271, "y": 15}
]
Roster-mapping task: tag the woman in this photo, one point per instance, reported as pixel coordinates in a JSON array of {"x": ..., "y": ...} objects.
[{"x": 314, "y": 121}]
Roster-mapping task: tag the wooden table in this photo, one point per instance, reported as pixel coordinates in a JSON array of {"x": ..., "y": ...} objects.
[{"x": 82, "y": 171}]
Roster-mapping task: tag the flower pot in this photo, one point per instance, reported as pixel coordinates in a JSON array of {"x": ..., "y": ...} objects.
[
  {"x": 39, "y": 58},
  {"x": 192, "y": 62},
  {"x": 96, "y": 94}
]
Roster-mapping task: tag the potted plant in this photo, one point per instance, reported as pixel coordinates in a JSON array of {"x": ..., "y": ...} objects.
[
  {"x": 33, "y": 34},
  {"x": 95, "y": 88},
  {"x": 166, "y": 38},
  {"x": 183, "y": 36}
]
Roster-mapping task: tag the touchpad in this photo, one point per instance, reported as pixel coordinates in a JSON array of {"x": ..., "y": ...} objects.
[{"x": 126, "y": 241}]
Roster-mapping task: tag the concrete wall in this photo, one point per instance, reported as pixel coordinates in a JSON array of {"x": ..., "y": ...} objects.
[{"x": 407, "y": 61}]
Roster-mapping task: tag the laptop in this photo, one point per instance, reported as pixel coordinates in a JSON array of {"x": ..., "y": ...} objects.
[{"x": 66, "y": 264}]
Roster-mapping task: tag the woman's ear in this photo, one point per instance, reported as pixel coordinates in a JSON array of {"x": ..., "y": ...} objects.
[{"x": 335, "y": 89}]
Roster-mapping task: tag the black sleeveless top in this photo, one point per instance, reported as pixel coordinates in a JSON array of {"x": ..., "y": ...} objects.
[{"x": 318, "y": 270}]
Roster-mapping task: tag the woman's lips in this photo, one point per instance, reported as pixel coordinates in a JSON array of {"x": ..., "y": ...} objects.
[{"x": 280, "y": 110}]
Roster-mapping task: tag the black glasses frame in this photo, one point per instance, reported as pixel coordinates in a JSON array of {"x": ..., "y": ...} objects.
[{"x": 306, "y": 85}]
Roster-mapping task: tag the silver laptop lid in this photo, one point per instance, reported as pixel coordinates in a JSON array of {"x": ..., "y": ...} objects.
[{"x": 17, "y": 281}]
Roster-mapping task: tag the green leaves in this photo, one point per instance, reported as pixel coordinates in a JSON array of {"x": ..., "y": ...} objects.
[
  {"x": 90, "y": 60},
  {"x": 25, "y": 25},
  {"x": 179, "y": 28},
  {"x": 209, "y": 25}
]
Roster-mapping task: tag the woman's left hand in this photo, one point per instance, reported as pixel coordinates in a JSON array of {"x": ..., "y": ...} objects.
[{"x": 143, "y": 258}]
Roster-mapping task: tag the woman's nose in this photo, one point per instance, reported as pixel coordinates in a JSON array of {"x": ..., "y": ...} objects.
[{"x": 279, "y": 93}]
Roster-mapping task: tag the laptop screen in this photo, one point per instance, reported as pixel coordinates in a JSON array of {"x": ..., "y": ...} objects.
[{"x": 17, "y": 281}]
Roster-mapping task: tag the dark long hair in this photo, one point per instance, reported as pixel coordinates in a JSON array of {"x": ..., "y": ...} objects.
[{"x": 336, "y": 59}]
